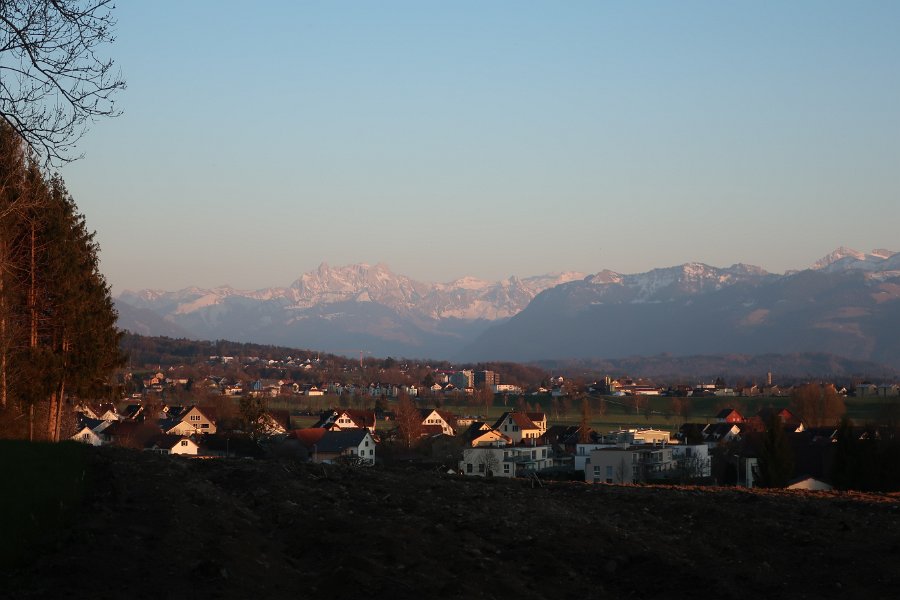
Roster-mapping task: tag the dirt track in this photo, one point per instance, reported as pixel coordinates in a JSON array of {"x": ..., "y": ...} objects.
[{"x": 155, "y": 527}]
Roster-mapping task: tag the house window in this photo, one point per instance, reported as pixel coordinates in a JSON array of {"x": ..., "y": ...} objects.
[
  {"x": 609, "y": 473},
  {"x": 367, "y": 443},
  {"x": 544, "y": 453},
  {"x": 371, "y": 452},
  {"x": 468, "y": 467},
  {"x": 184, "y": 442},
  {"x": 506, "y": 468},
  {"x": 204, "y": 426},
  {"x": 481, "y": 467}
]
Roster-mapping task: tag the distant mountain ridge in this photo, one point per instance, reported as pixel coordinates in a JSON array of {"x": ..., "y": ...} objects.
[
  {"x": 845, "y": 304},
  {"x": 334, "y": 308}
]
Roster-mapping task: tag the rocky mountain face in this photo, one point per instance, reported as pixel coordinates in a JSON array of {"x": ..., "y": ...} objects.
[
  {"x": 345, "y": 308},
  {"x": 845, "y": 304}
]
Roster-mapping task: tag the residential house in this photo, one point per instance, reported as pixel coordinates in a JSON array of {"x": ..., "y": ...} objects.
[
  {"x": 729, "y": 415},
  {"x": 86, "y": 435},
  {"x": 720, "y": 433},
  {"x": 439, "y": 418},
  {"x": 337, "y": 420},
  {"x": 481, "y": 434},
  {"x": 327, "y": 446},
  {"x": 518, "y": 427},
  {"x": 172, "y": 444},
  {"x": 583, "y": 452},
  {"x": 632, "y": 464},
  {"x": 636, "y": 436},
  {"x": 505, "y": 461},
  {"x": 194, "y": 420},
  {"x": 539, "y": 419}
]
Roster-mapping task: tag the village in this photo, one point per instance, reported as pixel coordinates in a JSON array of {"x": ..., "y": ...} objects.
[{"x": 468, "y": 422}]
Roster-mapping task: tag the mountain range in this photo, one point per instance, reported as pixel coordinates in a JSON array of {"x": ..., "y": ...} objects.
[{"x": 845, "y": 304}]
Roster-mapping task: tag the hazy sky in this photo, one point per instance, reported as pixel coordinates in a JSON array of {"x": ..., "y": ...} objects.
[{"x": 491, "y": 138}]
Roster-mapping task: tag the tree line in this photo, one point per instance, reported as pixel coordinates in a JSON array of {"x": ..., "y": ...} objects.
[{"x": 58, "y": 339}]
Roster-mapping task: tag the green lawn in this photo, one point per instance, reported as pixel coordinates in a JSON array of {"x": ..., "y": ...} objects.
[{"x": 619, "y": 410}]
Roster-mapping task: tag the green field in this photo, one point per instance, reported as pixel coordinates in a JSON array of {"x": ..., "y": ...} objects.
[{"x": 658, "y": 412}]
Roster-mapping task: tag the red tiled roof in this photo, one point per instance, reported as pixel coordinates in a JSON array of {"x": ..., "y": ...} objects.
[
  {"x": 309, "y": 436},
  {"x": 362, "y": 418},
  {"x": 519, "y": 418}
]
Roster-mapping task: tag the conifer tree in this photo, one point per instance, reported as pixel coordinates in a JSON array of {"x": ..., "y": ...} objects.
[{"x": 57, "y": 319}]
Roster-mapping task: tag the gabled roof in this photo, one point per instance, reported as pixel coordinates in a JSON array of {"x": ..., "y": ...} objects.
[
  {"x": 478, "y": 430},
  {"x": 536, "y": 416},
  {"x": 519, "y": 418},
  {"x": 449, "y": 417},
  {"x": 728, "y": 412},
  {"x": 718, "y": 430},
  {"x": 169, "y": 424},
  {"x": 164, "y": 441},
  {"x": 338, "y": 441},
  {"x": 132, "y": 410},
  {"x": 360, "y": 418},
  {"x": 363, "y": 418},
  {"x": 90, "y": 423}
]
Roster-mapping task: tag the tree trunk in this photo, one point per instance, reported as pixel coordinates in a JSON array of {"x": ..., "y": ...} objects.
[
  {"x": 51, "y": 416},
  {"x": 3, "y": 341}
]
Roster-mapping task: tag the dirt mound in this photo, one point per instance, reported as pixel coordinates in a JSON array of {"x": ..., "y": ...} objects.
[{"x": 157, "y": 527}]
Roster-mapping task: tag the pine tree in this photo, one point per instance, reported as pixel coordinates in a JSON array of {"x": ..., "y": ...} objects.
[{"x": 57, "y": 319}]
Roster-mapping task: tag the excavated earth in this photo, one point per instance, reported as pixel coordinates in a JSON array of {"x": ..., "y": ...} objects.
[{"x": 158, "y": 527}]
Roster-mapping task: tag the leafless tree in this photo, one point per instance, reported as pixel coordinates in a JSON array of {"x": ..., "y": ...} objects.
[
  {"x": 409, "y": 421},
  {"x": 53, "y": 80},
  {"x": 490, "y": 462}
]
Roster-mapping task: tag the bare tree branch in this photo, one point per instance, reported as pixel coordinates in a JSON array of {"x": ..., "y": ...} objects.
[{"x": 53, "y": 82}]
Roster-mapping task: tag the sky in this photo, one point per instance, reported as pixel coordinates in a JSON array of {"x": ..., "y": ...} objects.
[{"x": 491, "y": 138}]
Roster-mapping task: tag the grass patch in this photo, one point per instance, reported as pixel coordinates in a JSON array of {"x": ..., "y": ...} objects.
[{"x": 44, "y": 485}]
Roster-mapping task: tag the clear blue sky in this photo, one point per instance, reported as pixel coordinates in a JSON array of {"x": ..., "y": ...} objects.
[{"x": 491, "y": 138}]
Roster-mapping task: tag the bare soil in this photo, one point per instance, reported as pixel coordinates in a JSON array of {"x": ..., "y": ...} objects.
[{"x": 158, "y": 527}]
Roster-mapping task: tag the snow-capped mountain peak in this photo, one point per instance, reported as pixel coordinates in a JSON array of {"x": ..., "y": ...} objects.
[{"x": 879, "y": 260}]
